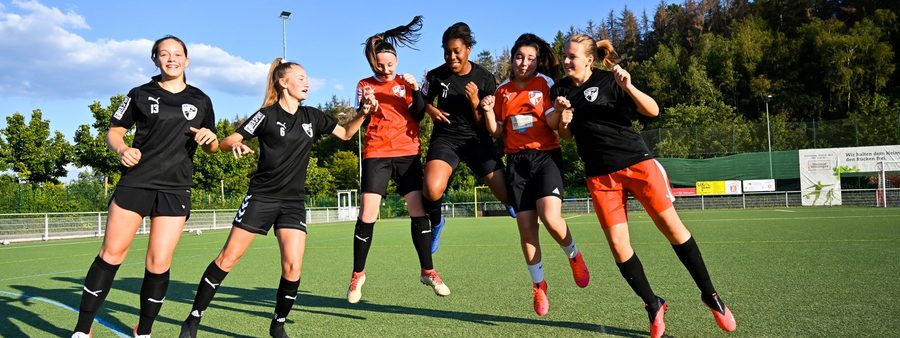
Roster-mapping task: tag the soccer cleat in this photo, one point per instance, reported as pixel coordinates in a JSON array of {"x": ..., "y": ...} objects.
[
  {"x": 723, "y": 315},
  {"x": 657, "y": 322},
  {"x": 431, "y": 278},
  {"x": 354, "y": 291},
  {"x": 580, "y": 271},
  {"x": 436, "y": 235},
  {"x": 189, "y": 327},
  {"x": 541, "y": 301},
  {"x": 276, "y": 330},
  {"x": 511, "y": 211},
  {"x": 82, "y": 334},
  {"x": 136, "y": 335}
]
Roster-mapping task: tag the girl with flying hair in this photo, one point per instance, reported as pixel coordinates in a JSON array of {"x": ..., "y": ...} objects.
[
  {"x": 522, "y": 114},
  {"x": 287, "y": 131},
  {"x": 391, "y": 152},
  {"x": 594, "y": 106}
]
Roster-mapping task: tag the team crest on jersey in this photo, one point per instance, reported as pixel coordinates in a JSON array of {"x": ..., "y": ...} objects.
[
  {"x": 122, "y": 107},
  {"x": 307, "y": 127},
  {"x": 591, "y": 93},
  {"x": 399, "y": 90},
  {"x": 535, "y": 96},
  {"x": 250, "y": 127},
  {"x": 189, "y": 111}
]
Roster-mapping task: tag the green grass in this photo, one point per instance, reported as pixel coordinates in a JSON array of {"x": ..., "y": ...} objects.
[{"x": 794, "y": 272}]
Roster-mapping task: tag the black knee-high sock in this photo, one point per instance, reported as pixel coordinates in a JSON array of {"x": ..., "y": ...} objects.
[
  {"x": 633, "y": 271},
  {"x": 284, "y": 299},
  {"x": 97, "y": 285},
  {"x": 689, "y": 254},
  {"x": 421, "y": 237},
  {"x": 206, "y": 289},
  {"x": 153, "y": 293},
  {"x": 362, "y": 241},
  {"x": 433, "y": 209}
]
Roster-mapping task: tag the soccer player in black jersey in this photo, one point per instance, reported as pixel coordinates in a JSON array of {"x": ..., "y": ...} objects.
[
  {"x": 453, "y": 92},
  {"x": 525, "y": 118},
  {"x": 172, "y": 118},
  {"x": 392, "y": 153},
  {"x": 595, "y": 106},
  {"x": 286, "y": 132}
]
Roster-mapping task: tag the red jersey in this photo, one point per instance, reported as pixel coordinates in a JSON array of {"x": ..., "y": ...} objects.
[
  {"x": 522, "y": 113},
  {"x": 392, "y": 131}
]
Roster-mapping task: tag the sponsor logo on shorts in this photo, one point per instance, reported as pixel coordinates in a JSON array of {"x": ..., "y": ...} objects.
[{"x": 555, "y": 191}]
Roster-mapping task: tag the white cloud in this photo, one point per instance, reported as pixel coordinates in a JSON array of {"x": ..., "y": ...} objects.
[
  {"x": 42, "y": 55},
  {"x": 339, "y": 87}
]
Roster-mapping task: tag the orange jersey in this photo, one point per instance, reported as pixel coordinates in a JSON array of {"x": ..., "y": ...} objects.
[
  {"x": 392, "y": 131},
  {"x": 522, "y": 113}
]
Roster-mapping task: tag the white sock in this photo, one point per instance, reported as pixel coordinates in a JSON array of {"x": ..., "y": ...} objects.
[
  {"x": 537, "y": 272},
  {"x": 571, "y": 250}
]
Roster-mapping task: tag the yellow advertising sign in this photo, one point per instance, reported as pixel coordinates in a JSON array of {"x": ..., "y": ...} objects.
[{"x": 710, "y": 187}]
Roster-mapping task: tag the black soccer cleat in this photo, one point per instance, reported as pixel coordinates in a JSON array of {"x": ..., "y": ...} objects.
[{"x": 189, "y": 327}]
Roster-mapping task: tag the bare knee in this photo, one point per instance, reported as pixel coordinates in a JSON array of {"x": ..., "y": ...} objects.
[
  {"x": 158, "y": 263},
  {"x": 291, "y": 270},
  {"x": 226, "y": 261}
]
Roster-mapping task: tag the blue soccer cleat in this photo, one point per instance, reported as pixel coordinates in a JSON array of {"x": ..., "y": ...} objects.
[
  {"x": 509, "y": 209},
  {"x": 436, "y": 235}
]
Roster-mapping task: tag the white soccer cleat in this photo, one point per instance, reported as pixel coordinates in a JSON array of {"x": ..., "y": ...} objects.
[
  {"x": 354, "y": 292},
  {"x": 431, "y": 278}
]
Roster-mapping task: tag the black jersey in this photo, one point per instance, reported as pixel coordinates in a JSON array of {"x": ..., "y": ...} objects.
[
  {"x": 446, "y": 90},
  {"x": 162, "y": 121},
  {"x": 601, "y": 123},
  {"x": 285, "y": 144}
]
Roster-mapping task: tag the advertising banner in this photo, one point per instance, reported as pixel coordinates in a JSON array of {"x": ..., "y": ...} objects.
[
  {"x": 759, "y": 185},
  {"x": 821, "y": 169}
]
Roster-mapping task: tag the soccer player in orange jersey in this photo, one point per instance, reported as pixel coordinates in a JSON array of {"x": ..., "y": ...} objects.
[
  {"x": 594, "y": 107},
  {"x": 522, "y": 113},
  {"x": 392, "y": 153}
]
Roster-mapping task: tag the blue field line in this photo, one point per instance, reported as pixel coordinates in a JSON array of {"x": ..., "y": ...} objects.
[{"x": 64, "y": 306}]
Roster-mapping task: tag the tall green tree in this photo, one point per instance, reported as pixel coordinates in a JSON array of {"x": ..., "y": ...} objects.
[
  {"x": 344, "y": 166},
  {"x": 33, "y": 154},
  {"x": 91, "y": 149}
]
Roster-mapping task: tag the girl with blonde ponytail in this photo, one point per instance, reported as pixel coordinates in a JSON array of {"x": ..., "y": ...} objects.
[
  {"x": 594, "y": 106},
  {"x": 391, "y": 152},
  {"x": 287, "y": 131}
]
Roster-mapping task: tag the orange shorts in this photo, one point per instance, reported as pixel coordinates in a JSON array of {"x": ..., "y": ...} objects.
[{"x": 646, "y": 181}]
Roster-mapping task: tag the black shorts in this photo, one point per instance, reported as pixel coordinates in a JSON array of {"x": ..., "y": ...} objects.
[
  {"x": 406, "y": 171},
  {"x": 532, "y": 175},
  {"x": 480, "y": 155},
  {"x": 258, "y": 213},
  {"x": 152, "y": 202}
]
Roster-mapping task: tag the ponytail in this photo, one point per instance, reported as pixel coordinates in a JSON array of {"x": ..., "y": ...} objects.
[
  {"x": 406, "y": 36},
  {"x": 274, "y": 89},
  {"x": 602, "y": 51}
]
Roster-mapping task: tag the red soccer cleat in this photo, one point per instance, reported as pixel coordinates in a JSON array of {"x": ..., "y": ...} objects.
[
  {"x": 723, "y": 315},
  {"x": 580, "y": 271},
  {"x": 541, "y": 302},
  {"x": 657, "y": 322}
]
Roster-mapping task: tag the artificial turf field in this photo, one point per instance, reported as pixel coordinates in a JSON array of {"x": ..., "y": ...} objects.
[{"x": 783, "y": 272}]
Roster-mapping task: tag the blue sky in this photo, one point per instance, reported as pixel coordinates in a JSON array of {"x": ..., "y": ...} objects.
[{"x": 59, "y": 56}]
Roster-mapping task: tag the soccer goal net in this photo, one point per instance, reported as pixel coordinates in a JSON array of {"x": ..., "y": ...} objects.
[{"x": 888, "y": 183}]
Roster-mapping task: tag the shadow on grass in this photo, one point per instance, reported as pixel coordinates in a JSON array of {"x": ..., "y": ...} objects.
[{"x": 239, "y": 300}]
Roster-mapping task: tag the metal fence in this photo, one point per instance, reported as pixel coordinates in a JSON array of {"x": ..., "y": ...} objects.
[{"x": 51, "y": 226}]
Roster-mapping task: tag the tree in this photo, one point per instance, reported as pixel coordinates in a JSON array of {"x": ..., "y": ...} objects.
[
  {"x": 319, "y": 181},
  {"x": 91, "y": 150},
  {"x": 31, "y": 152},
  {"x": 344, "y": 166}
]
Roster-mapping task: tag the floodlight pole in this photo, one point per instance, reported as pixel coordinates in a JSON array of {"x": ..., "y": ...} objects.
[
  {"x": 769, "y": 136},
  {"x": 284, "y": 17}
]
